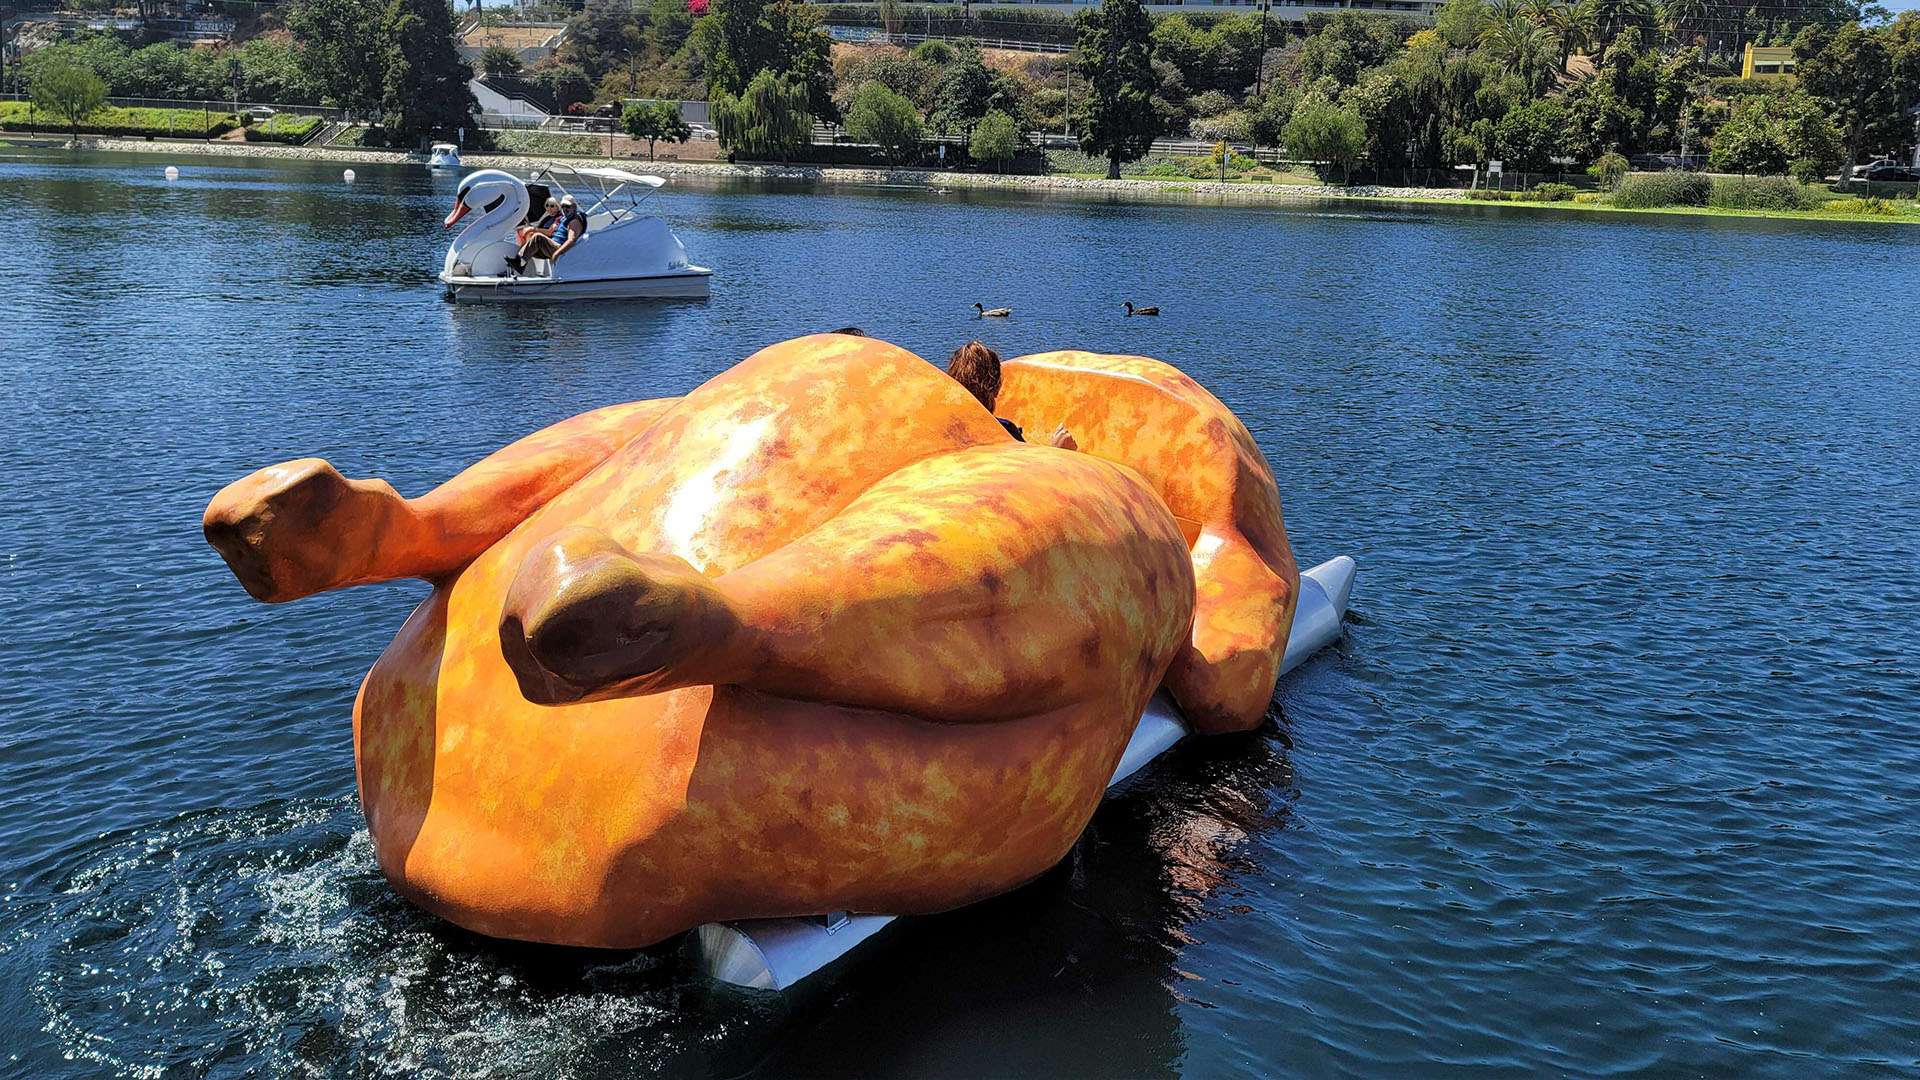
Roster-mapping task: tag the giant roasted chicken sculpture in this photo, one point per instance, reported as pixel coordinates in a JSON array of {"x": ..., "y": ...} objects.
[{"x": 818, "y": 636}]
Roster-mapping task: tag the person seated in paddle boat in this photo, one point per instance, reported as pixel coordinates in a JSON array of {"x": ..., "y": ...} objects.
[
  {"x": 548, "y": 219},
  {"x": 549, "y": 241},
  {"x": 819, "y": 636}
]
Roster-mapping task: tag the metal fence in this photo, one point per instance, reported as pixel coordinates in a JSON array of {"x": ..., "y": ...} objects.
[
  {"x": 870, "y": 36},
  {"x": 512, "y": 121}
]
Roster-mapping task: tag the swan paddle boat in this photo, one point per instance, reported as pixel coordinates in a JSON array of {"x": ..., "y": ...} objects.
[
  {"x": 444, "y": 155},
  {"x": 626, "y": 252},
  {"x": 815, "y": 646}
]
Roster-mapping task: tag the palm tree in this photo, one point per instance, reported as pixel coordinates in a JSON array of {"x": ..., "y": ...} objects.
[
  {"x": 1676, "y": 14},
  {"x": 1580, "y": 29},
  {"x": 1523, "y": 47}
]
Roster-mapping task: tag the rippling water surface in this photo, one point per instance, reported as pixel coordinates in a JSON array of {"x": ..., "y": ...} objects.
[{"x": 1613, "y": 773}]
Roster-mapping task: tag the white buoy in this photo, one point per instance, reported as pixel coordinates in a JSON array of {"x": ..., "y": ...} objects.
[
  {"x": 347, "y": 176},
  {"x": 173, "y": 173}
]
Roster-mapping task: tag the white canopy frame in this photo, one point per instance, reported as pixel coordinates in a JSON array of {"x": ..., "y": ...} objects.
[{"x": 615, "y": 192}]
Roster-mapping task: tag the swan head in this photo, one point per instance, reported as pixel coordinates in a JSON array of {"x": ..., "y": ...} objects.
[{"x": 485, "y": 191}]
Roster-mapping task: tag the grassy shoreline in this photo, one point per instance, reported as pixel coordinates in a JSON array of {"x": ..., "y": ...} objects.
[{"x": 1143, "y": 189}]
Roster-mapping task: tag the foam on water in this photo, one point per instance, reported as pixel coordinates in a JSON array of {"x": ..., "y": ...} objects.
[{"x": 266, "y": 940}]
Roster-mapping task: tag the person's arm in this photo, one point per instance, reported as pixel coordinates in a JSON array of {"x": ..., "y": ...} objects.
[{"x": 573, "y": 237}]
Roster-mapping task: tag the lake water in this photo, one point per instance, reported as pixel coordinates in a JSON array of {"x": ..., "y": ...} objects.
[{"x": 1614, "y": 772}]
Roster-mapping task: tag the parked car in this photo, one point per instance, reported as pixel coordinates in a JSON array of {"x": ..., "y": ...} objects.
[
  {"x": 702, "y": 131},
  {"x": 1891, "y": 174},
  {"x": 261, "y": 112},
  {"x": 1860, "y": 171}
]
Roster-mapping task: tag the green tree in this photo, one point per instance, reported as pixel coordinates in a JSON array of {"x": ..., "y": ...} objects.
[
  {"x": 343, "y": 44},
  {"x": 804, "y": 53},
  {"x": 1765, "y": 133},
  {"x": 668, "y": 26},
  {"x": 886, "y": 119},
  {"x": 1458, "y": 22},
  {"x": 737, "y": 42},
  {"x": 499, "y": 60},
  {"x": 1748, "y": 142},
  {"x": 969, "y": 89},
  {"x": 1852, "y": 69},
  {"x": 769, "y": 119},
  {"x": 1523, "y": 48},
  {"x": 1350, "y": 43},
  {"x": 605, "y": 36},
  {"x": 742, "y": 38},
  {"x": 651, "y": 120},
  {"x": 1530, "y": 136},
  {"x": 426, "y": 81},
  {"x": 70, "y": 92},
  {"x": 1271, "y": 113},
  {"x": 1116, "y": 60},
  {"x": 568, "y": 84},
  {"x": 995, "y": 138},
  {"x": 1225, "y": 55},
  {"x": 272, "y": 69},
  {"x": 1322, "y": 131}
]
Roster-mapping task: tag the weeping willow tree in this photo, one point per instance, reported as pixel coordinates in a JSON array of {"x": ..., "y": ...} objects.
[{"x": 769, "y": 119}]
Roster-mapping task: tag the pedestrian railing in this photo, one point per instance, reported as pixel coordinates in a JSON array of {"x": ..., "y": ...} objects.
[{"x": 875, "y": 36}]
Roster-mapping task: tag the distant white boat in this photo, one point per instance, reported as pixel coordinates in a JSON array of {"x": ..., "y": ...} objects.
[
  {"x": 626, "y": 252},
  {"x": 444, "y": 156}
]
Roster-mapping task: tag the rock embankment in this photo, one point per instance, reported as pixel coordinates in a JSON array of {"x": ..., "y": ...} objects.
[{"x": 826, "y": 174}]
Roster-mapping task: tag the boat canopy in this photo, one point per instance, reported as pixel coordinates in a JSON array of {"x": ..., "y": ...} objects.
[
  {"x": 439, "y": 146},
  {"x": 614, "y": 192}
]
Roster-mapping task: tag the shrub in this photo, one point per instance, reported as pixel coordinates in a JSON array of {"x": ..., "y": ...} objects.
[
  {"x": 283, "y": 129},
  {"x": 536, "y": 142},
  {"x": 1208, "y": 168},
  {"x": 933, "y": 52},
  {"x": 1642, "y": 191},
  {"x": 1488, "y": 195},
  {"x": 1607, "y": 169},
  {"x": 1806, "y": 171},
  {"x": 499, "y": 60},
  {"x": 1870, "y": 206},
  {"x": 1587, "y": 198},
  {"x": 1553, "y": 193},
  {"x": 1763, "y": 193},
  {"x": 112, "y": 120}
]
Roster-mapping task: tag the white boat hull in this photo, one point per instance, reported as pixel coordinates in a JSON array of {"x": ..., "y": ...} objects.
[
  {"x": 690, "y": 284},
  {"x": 775, "y": 954}
]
